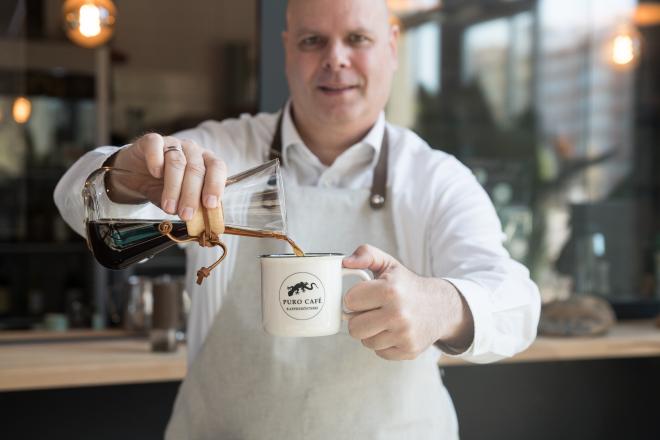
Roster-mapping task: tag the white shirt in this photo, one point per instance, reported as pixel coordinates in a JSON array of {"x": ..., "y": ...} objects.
[
  {"x": 445, "y": 224},
  {"x": 347, "y": 171}
]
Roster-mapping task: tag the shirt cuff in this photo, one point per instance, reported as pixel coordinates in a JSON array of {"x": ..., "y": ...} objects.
[
  {"x": 477, "y": 299},
  {"x": 101, "y": 156},
  {"x": 68, "y": 191}
]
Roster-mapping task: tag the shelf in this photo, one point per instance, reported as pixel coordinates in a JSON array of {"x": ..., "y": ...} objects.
[
  {"x": 46, "y": 55},
  {"x": 42, "y": 247},
  {"x": 74, "y": 335}
]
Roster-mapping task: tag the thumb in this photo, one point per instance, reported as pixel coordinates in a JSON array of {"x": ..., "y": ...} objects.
[{"x": 369, "y": 257}]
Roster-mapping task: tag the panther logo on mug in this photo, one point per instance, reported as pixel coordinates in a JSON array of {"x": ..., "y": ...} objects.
[
  {"x": 302, "y": 296},
  {"x": 301, "y": 286}
]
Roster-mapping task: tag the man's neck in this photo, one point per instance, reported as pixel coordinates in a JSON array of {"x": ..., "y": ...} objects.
[{"x": 328, "y": 142}]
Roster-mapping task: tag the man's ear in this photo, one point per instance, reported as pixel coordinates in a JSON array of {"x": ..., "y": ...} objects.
[{"x": 394, "y": 43}]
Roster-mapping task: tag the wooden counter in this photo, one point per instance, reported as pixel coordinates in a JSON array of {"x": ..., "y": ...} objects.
[
  {"x": 625, "y": 340},
  {"x": 95, "y": 361},
  {"x": 29, "y": 366}
]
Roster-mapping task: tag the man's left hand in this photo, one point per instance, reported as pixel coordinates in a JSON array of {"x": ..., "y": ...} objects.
[{"x": 400, "y": 314}]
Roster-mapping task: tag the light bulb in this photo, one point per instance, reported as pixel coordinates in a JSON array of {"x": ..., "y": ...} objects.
[
  {"x": 89, "y": 23},
  {"x": 622, "y": 50},
  {"x": 90, "y": 20},
  {"x": 21, "y": 109},
  {"x": 624, "y": 47}
]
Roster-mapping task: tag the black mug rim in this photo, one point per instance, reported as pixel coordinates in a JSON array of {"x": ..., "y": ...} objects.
[{"x": 307, "y": 255}]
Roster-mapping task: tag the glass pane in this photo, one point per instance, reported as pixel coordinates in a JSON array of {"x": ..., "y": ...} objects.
[{"x": 551, "y": 104}]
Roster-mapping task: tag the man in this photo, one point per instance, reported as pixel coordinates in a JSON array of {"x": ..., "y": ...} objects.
[{"x": 442, "y": 277}]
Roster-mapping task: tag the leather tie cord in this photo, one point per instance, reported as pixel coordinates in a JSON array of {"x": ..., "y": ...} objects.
[{"x": 207, "y": 238}]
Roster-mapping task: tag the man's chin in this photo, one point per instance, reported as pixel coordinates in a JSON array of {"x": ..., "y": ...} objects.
[
  {"x": 339, "y": 121},
  {"x": 333, "y": 112},
  {"x": 342, "y": 114}
]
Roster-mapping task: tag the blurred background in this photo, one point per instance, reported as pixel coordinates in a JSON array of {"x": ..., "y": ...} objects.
[
  {"x": 553, "y": 104},
  {"x": 166, "y": 67}
]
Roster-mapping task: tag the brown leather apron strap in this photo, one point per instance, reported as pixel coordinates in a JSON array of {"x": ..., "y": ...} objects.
[
  {"x": 379, "y": 182},
  {"x": 276, "y": 143}
]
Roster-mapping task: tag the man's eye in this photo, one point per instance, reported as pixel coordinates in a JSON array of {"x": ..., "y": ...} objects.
[
  {"x": 358, "y": 39},
  {"x": 310, "y": 41}
]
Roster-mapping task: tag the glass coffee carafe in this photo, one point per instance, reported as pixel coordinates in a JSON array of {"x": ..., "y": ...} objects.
[{"x": 121, "y": 233}]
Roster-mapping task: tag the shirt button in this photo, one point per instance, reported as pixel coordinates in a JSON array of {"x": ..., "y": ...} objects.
[{"x": 326, "y": 181}]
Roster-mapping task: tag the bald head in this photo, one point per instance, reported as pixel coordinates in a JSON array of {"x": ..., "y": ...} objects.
[{"x": 296, "y": 7}]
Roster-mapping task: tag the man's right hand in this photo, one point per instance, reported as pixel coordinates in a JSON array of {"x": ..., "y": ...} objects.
[{"x": 173, "y": 179}]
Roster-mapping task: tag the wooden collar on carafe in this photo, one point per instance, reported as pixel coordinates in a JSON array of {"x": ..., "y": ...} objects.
[
  {"x": 379, "y": 182},
  {"x": 208, "y": 224},
  {"x": 206, "y": 227}
]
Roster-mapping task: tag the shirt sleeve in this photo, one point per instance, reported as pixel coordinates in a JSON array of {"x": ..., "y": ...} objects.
[
  {"x": 68, "y": 192},
  {"x": 467, "y": 250}
]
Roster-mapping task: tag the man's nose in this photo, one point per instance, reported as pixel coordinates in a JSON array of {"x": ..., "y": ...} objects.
[{"x": 337, "y": 57}]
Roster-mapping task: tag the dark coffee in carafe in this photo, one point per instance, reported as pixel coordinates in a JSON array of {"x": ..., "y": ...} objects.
[{"x": 117, "y": 244}]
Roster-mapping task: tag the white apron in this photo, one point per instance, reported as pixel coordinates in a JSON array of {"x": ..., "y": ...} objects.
[{"x": 246, "y": 384}]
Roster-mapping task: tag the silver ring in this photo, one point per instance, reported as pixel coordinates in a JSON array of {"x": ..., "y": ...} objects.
[{"x": 173, "y": 148}]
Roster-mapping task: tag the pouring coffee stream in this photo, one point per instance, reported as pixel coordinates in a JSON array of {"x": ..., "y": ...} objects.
[
  {"x": 209, "y": 239},
  {"x": 120, "y": 235}
]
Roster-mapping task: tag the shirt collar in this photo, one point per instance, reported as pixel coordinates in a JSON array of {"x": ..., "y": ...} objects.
[{"x": 290, "y": 135}]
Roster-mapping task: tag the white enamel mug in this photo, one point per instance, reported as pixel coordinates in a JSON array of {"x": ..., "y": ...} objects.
[{"x": 302, "y": 296}]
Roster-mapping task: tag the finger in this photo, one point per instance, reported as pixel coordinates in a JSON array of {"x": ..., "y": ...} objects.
[
  {"x": 366, "y": 295},
  {"x": 193, "y": 180},
  {"x": 395, "y": 354},
  {"x": 214, "y": 180},
  {"x": 381, "y": 341},
  {"x": 368, "y": 324},
  {"x": 173, "y": 170},
  {"x": 150, "y": 146},
  {"x": 369, "y": 257}
]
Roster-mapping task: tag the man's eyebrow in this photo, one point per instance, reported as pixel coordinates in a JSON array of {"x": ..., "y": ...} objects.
[
  {"x": 361, "y": 30},
  {"x": 357, "y": 30},
  {"x": 306, "y": 31}
]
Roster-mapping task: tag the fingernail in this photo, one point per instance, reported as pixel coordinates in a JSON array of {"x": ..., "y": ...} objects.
[
  {"x": 186, "y": 213},
  {"x": 169, "y": 206},
  {"x": 211, "y": 202},
  {"x": 156, "y": 172}
]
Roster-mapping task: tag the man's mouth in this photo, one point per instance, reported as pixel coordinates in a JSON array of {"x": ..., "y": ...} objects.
[{"x": 333, "y": 89}]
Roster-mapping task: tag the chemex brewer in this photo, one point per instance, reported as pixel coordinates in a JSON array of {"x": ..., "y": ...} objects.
[{"x": 121, "y": 234}]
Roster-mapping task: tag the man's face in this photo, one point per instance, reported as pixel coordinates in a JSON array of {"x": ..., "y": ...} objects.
[{"x": 340, "y": 59}]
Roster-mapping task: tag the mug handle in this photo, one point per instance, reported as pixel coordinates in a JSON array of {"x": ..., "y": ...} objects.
[{"x": 358, "y": 273}]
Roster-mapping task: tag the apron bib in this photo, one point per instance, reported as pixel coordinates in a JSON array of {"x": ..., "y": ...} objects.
[{"x": 246, "y": 384}]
